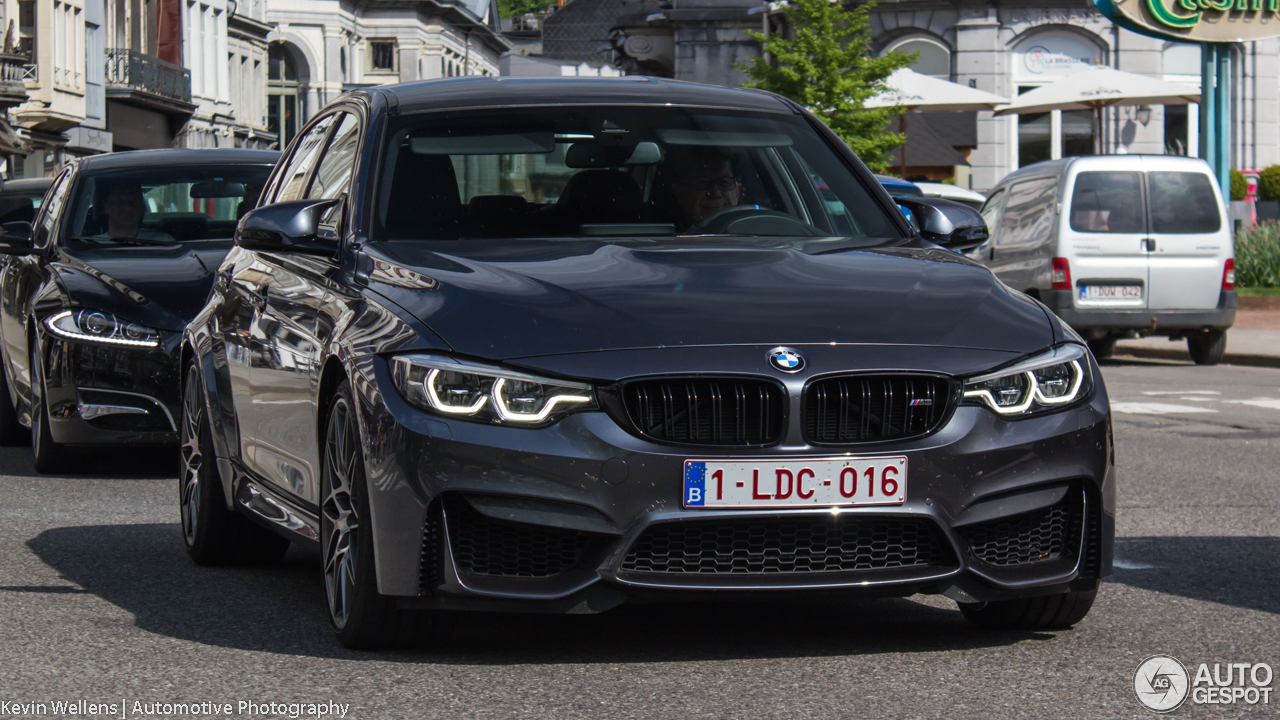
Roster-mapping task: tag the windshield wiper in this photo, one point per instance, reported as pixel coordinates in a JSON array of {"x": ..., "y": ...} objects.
[{"x": 126, "y": 241}]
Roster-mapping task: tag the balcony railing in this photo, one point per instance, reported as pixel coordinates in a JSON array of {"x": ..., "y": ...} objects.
[
  {"x": 148, "y": 74},
  {"x": 13, "y": 71}
]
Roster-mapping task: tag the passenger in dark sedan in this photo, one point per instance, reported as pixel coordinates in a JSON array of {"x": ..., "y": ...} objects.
[
  {"x": 706, "y": 182},
  {"x": 123, "y": 209}
]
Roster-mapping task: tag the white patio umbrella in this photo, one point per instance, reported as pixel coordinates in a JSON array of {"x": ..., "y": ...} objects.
[
  {"x": 925, "y": 93},
  {"x": 1099, "y": 88}
]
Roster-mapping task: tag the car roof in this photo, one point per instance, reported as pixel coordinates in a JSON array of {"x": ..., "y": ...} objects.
[
  {"x": 949, "y": 191},
  {"x": 475, "y": 92},
  {"x": 25, "y": 186},
  {"x": 1059, "y": 168},
  {"x": 893, "y": 184},
  {"x": 144, "y": 158}
]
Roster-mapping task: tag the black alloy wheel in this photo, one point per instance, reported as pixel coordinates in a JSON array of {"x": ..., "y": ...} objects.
[
  {"x": 11, "y": 431},
  {"x": 1047, "y": 612},
  {"x": 213, "y": 534},
  {"x": 363, "y": 618},
  {"x": 50, "y": 457}
]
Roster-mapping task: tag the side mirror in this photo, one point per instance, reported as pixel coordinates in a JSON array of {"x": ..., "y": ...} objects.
[
  {"x": 15, "y": 239},
  {"x": 952, "y": 225},
  {"x": 292, "y": 226}
]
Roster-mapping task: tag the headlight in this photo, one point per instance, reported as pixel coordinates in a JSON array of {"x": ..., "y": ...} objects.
[
  {"x": 99, "y": 327},
  {"x": 472, "y": 391},
  {"x": 1047, "y": 381}
]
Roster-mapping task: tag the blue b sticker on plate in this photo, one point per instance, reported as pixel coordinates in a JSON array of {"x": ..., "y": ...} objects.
[{"x": 695, "y": 484}]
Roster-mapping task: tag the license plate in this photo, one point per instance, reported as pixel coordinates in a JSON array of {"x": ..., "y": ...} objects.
[
  {"x": 1111, "y": 292},
  {"x": 819, "y": 482}
]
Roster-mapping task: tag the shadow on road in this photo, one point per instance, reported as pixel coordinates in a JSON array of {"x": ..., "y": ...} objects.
[
  {"x": 1240, "y": 572},
  {"x": 128, "y": 463},
  {"x": 144, "y": 570}
]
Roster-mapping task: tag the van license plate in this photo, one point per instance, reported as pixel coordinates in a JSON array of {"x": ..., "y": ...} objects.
[
  {"x": 1111, "y": 292},
  {"x": 813, "y": 482}
]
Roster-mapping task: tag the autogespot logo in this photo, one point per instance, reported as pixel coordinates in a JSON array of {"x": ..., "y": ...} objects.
[
  {"x": 786, "y": 359},
  {"x": 1161, "y": 683}
]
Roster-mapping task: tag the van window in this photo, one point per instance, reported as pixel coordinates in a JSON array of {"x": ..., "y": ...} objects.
[
  {"x": 991, "y": 211},
  {"x": 1107, "y": 202},
  {"x": 1183, "y": 203},
  {"x": 1028, "y": 212}
]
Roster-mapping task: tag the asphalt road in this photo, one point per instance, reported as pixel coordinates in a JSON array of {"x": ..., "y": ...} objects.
[{"x": 98, "y": 602}]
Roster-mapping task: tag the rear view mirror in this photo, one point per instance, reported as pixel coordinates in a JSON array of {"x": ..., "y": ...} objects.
[
  {"x": 16, "y": 239},
  {"x": 598, "y": 155},
  {"x": 952, "y": 225},
  {"x": 292, "y": 226},
  {"x": 217, "y": 190}
]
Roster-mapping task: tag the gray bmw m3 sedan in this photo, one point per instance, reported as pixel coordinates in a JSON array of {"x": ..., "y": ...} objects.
[{"x": 554, "y": 345}]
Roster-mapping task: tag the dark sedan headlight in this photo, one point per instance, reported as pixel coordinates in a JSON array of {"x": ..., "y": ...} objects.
[
  {"x": 485, "y": 393},
  {"x": 1045, "y": 382},
  {"x": 99, "y": 327}
]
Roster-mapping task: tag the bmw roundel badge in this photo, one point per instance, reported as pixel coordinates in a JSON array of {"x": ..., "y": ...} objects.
[{"x": 786, "y": 359}]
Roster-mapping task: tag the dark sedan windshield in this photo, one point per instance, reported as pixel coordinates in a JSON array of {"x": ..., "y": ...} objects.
[
  {"x": 164, "y": 204},
  {"x": 618, "y": 172}
]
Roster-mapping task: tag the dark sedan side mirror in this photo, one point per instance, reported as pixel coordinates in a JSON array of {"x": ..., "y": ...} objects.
[
  {"x": 952, "y": 225},
  {"x": 293, "y": 226},
  {"x": 16, "y": 239}
]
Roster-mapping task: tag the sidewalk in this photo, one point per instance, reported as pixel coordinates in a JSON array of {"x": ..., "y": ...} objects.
[{"x": 1253, "y": 340}]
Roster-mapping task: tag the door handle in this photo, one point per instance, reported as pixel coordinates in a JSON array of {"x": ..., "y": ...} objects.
[{"x": 1149, "y": 244}]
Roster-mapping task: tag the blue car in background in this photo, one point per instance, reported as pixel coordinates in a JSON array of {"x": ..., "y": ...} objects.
[{"x": 898, "y": 187}]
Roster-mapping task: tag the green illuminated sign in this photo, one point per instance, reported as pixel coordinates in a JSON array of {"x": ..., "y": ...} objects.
[
  {"x": 1168, "y": 16},
  {"x": 1197, "y": 20}
]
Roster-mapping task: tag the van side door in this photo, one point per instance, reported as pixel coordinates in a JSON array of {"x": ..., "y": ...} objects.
[
  {"x": 1022, "y": 248},
  {"x": 1103, "y": 239},
  {"x": 1190, "y": 241}
]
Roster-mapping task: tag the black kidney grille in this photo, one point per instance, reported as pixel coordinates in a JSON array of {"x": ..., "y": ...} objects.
[
  {"x": 868, "y": 408},
  {"x": 1037, "y": 536},
  {"x": 787, "y": 546},
  {"x": 484, "y": 546},
  {"x": 702, "y": 411}
]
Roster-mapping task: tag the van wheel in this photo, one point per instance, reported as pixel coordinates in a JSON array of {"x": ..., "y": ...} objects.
[
  {"x": 1208, "y": 347},
  {"x": 1048, "y": 612},
  {"x": 1103, "y": 347}
]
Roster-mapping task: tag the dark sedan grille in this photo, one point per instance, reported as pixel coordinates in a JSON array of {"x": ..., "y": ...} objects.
[
  {"x": 787, "y": 546},
  {"x": 484, "y": 546},
  {"x": 869, "y": 408},
  {"x": 707, "y": 411},
  {"x": 1032, "y": 537}
]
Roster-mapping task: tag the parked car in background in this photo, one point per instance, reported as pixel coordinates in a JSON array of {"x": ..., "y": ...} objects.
[
  {"x": 95, "y": 294},
  {"x": 20, "y": 199},
  {"x": 972, "y": 198},
  {"x": 1119, "y": 245},
  {"x": 553, "y": 345},
  {"x": 897, "y": 187}
]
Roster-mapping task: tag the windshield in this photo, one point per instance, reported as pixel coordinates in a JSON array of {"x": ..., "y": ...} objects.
[
  {"x": 636, "y": 172},
  {"x": 165, "y": 204}
]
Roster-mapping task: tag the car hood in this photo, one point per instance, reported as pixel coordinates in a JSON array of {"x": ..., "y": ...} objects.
[
  {"x": 510, "y": 299},
  {"x": 163, "y": 287}
]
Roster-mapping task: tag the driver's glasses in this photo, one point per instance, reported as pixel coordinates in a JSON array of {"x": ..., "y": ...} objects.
[{"x": 701, "y": 184}]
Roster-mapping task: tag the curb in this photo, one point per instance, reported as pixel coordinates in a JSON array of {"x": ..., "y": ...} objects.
[{"x": 1229, "y": 359}]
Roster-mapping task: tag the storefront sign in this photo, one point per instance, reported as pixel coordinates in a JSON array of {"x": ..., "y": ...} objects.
[{"x": 1196, "y": 20}]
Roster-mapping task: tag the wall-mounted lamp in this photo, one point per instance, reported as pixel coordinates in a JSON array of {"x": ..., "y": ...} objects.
[{"x": 1144, "y": 115}]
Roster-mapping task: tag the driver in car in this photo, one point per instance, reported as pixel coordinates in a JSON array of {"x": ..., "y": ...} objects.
[
  {"x": 707, "y": 182},
  {"x": 123, "y": 207}
]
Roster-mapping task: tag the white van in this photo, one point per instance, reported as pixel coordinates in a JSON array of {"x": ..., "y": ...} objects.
[{"x": 1118, "y": 245}]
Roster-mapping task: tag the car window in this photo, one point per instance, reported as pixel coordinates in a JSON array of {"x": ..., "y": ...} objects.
[
  {"x": 293, "y": 176},
  {"x": 1183, "y": 203},
  {"x": 991, "y": 211},
  {"x": 1107, "y": 202},
  {"x": 1028, "y": 212},
  {"x": 572, "y": 172},
  {"x": 334, "y": 172},
  {"x": 48, "y": 217},
  {"x": 166, "y": 203}
]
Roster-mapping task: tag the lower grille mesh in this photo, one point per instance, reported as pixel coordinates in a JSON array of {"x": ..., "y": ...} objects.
[
  {"x": 793, "y": 545},
  {"x": 1032, "y": 537},
  {"x": 484, "y": 546}
]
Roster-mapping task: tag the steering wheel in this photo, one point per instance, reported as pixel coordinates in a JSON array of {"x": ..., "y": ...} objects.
[{"x": 753, "y": 220}]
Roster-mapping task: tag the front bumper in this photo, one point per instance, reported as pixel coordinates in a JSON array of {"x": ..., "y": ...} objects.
[
  {"x": 477, "y": 516},
  {"x": 1147, "y": 322},
  {"x": 106, "y": 395}
]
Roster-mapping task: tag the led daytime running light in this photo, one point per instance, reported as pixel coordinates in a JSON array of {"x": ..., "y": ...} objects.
[
  {"x": 438, "y": 404},
  {"x": 1068, "y": 355},
  {"x": 506, "y": 414},
  {"x": 51, "y": 323}
]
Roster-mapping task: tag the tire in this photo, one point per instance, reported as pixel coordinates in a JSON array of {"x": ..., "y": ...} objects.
[
  {"x": 1103, "y": 348},
  {"x": 11, "y": 431},
  {"x": 213, "y": 534},
  {"x": 1047, "y": 612},
  {"x": 50, "y": 456},
  {"x": 1207, "y": 347},
  {"x": 362, "y": 618}
]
